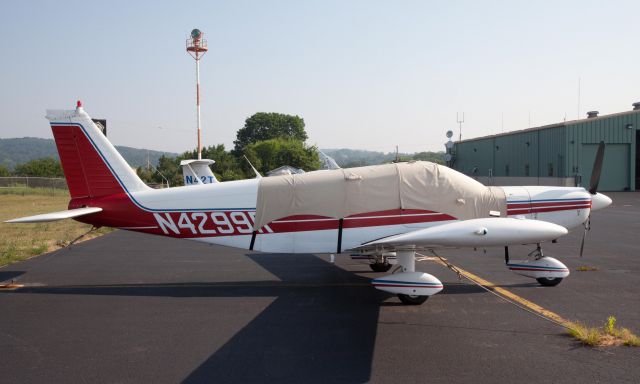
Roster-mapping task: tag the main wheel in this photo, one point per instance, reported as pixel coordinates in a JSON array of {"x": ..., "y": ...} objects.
[
  {"x": 412, "y": 299},
  {"x": 549, "y": 281},
  {"x": 380, "y": 267}
]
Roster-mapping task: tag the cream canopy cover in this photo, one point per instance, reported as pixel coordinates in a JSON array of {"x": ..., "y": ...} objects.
[{"x": 343, "y": 192}]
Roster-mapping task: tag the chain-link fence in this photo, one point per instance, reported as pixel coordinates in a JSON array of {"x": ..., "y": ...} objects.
[{"x": 52, "y": 185}]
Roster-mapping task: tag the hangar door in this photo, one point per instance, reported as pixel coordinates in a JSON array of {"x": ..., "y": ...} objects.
[{"x": 615, "y": 170}]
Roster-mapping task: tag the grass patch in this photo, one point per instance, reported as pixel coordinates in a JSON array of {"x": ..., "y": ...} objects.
[
  {"x": 38, "y": 250},
  {"x": 586, "y": 268},
  {"x": 22, "y": 241},
  {"x": 608, "y": 335}
]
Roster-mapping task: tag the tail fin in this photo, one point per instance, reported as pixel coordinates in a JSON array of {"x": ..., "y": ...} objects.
[{"x": 91, "y": 164}]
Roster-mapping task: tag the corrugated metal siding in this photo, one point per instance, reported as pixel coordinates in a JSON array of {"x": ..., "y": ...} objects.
[
  {"x": 552, "y": 152},
  {"x": 559, "y": 146},
  {"x": 520, "y": 154},
  {"x": 516, "y": 152},
  {"x": 613, "y": 131},
  {"x": 475, "y": 154}
]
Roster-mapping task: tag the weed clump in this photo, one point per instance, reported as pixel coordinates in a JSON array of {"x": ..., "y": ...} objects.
[
  {"x": 586, "y": 268},
  {"x": 606, "y": 336}
]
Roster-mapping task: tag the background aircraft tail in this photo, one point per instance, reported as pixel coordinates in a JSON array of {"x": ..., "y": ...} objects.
[{"x": 91, "y": 164}]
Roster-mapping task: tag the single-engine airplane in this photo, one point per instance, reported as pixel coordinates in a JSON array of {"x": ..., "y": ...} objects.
[{"x": 385, "y": 212}]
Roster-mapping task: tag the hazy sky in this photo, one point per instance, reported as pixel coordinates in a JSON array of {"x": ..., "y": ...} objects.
[{"x": 362, "y": 74}]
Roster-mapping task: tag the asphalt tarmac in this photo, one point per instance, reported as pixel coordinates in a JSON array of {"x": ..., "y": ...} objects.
[{"x": 130, "y": 308}]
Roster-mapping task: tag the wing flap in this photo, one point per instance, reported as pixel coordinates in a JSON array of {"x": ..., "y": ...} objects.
[
  {"x": 54, "y": 216},
  {"x": 485, "y": 232}
]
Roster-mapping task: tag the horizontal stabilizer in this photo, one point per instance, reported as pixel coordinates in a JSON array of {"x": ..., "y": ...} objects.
[
  {"x": 53, "y": 216},
  {"x": 486, "y": 232},
  {"x": 197, "y": 172}
]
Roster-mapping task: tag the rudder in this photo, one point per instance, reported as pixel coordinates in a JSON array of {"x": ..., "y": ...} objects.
[{"x": 91, "y": 164}]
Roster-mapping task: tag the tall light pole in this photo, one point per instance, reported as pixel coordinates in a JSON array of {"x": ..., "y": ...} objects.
[{"x": 197, "y": 47}]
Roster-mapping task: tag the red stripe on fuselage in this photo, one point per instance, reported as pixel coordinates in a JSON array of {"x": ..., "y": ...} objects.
[
  {"x": 303, "y": 223},
  {"x": 547, "y": 203},
  {"x": 120, "y": 212},
  {"x": 541, "y": 210},
  {"x": 551, "y": 206}
]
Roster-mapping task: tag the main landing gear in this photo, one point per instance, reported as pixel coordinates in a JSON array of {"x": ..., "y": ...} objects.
[
  {"x": 412, "y": 299},
  {"x": 547, "y": 271},
  {"x": 381, "y": 261},
  {"x": 383, "y": 266},
  {"x": 411, "y": 287}
]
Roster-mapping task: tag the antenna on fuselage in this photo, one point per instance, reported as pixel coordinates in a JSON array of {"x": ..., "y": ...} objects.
[{"x": 258, "y": 175}]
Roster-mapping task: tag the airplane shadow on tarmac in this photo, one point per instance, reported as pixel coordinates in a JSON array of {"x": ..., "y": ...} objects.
[
  {"x": 318, "y": 333},
  {"x": 7, "y": 276},
  {"x": 320, "y": 328}
]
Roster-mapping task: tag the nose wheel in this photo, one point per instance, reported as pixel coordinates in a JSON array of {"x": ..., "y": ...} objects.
[
  {"x": 547, "y": 271},
  {"x": 549, "y": 281}
]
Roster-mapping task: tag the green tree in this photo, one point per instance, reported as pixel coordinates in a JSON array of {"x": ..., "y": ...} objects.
[
  {"x": 45, "y": 167},
  {"x": 146, "y": 174},
  {"x": 270, "y": 154},
  {"x": 269, "y": 140},
  {"x": 226, "y": 167},
  {"x": 4, "y": 171},
  {"x": 168, "y": 167},
  {"x": 264, "y": 126}
]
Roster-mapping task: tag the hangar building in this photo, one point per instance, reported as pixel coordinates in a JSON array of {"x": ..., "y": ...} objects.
[{"x": 558, "y": 154}]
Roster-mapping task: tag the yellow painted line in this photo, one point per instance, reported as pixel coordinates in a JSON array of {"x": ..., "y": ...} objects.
[{"x": 510, "y": 295}]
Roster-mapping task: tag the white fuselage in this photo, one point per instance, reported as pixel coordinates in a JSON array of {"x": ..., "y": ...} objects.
[{"x": 224, "y": 214}]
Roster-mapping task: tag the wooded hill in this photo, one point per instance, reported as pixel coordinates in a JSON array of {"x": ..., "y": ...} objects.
[
  {"x": 21, "y": 150},
  {"x": 347, "y": 158}
]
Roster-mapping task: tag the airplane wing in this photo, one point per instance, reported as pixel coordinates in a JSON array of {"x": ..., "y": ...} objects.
[
  {"x": 54, "y": 216},
  {"x": 485, "y": 232}
]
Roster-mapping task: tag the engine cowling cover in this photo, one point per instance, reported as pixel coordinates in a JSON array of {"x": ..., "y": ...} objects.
[
  {"x": 409, "y": 283},
  {"x": 543, "y": 267}
]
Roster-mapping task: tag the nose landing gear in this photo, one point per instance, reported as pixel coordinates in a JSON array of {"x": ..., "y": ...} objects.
[
  {"x": 547, "y": 271},
  {"x": 549, "y": 281}
]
